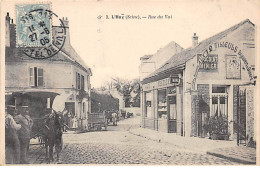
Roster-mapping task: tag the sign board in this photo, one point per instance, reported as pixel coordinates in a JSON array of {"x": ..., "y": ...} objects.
[
  {"x": 162, "y": 83},
  {"x": 209, "y": 63},
  {"x": 233, "y": 67}
]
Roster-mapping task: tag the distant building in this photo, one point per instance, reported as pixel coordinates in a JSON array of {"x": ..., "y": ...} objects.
[
  {"x": 65, "y": 73},
  {"x": 214, "y": 77},
  {"x": 149, "y": 63}
]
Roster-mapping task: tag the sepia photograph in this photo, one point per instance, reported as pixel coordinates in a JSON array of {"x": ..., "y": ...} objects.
[{"x": 134, "y": 83}]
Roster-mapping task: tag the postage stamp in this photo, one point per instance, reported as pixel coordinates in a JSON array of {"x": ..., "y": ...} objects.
[
  {"x": 33, "y": 28},
  {"x": 34, "y": 31}
]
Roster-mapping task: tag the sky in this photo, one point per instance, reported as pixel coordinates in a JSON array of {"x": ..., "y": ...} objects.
[{"x": 112, "y": 48}]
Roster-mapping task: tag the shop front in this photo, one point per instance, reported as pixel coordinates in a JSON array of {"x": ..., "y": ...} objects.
[
  {"x": 207, "y": 90},
  {"x": 160, "y": 99}
]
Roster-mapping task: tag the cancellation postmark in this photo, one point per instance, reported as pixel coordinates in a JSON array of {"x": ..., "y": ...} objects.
[{"x": 34, "y": 31}]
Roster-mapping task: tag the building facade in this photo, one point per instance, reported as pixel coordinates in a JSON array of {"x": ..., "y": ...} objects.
[
  {"x": 212, "y": 78},
  {"x": 65, "y": 74},
  {"x": 149, "y": 63}
]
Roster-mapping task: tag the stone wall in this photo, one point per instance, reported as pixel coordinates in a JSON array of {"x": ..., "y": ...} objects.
[{"x": 250, "y": 112}]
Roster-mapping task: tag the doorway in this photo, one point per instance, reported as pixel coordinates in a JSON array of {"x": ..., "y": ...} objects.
[{"x": 172, "y": 114}]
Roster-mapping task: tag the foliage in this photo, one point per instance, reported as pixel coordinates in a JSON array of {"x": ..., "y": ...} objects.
[
  {"x": 130, "y": 89},
  {"x": 217, "y": 126}
]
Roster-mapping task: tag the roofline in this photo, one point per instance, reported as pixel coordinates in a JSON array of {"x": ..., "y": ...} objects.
[
  {"x": 74, "y": 61},
  {"x": 190, "y": 48},
  {"x": 170, "y": 70}
]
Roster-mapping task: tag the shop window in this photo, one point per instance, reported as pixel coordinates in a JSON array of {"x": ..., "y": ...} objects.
[
  {"x": 218, "y": 89},
  {"x": 162, "y": 104},
  {"x": 219, "y": 99},
  {"x": 173, "y": 107}
]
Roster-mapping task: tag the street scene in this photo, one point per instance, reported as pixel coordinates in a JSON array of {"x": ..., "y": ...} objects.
[
  {"x": 119, "y": 146},
  {"x": 189, "y": 100}
]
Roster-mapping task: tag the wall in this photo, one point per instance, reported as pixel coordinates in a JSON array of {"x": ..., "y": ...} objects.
[
  {"x": 155, "y": 61},
  {"x": 17, "y": 74},
  {"x": 250, "y": 112},
  {"x": 243, "y": 37}
]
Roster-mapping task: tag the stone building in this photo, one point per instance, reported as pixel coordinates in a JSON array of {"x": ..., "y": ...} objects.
[
  {"x": 214, "y": 77},
  {"x": 65, "y": 74}
]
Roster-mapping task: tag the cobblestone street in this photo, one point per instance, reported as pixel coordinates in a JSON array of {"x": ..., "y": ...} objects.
[{"x": 118, "y": 146}]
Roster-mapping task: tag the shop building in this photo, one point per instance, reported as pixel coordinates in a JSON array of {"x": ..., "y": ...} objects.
[{"x": 214, "y": 77}]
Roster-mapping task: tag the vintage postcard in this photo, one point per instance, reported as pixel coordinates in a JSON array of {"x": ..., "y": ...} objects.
[{"x": 109, "y": 82}]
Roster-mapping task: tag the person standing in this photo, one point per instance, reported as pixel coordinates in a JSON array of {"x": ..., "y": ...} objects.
[
  {"x": 75, "y": 123},
  {"x": 24, "y": 133},
  {"x": 12, "y": 144}
]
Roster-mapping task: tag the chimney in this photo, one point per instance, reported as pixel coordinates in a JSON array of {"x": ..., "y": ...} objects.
[
  {"x": 194, "y": 40},
  {"x": 7, "y": 30},
  {"x": 56, "y": 29},
  {"x": 66, "y": 24}
]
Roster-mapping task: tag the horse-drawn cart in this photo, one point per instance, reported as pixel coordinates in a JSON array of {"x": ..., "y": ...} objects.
[
  {"x": 97, "y": 121},
  {"x": 38, "y": 102},
  {"x": 47, "y": 123}
]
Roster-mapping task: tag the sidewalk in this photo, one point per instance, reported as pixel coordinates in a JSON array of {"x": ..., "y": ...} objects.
[{"x": 219, "y": 148}]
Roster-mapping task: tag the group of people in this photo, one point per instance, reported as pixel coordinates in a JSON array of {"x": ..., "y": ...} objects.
[{"x": 18, "y": 126}]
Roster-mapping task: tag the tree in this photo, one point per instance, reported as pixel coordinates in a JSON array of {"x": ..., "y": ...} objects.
[{"x": 130, "y": 89}]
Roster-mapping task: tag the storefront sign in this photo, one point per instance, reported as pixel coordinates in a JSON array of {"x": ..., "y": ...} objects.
[
  {"x": 209, "y": 63},
  {"x": 175, "y": 80},
  {"x": 162, "y": 83}
]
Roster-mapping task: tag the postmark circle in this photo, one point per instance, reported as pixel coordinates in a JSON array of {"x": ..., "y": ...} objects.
[{"x": 47, "y": 40}]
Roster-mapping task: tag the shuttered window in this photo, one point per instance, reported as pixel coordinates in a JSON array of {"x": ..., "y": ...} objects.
[{"x": 36, "y": 77}]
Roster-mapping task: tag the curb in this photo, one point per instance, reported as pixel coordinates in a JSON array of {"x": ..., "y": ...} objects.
[
  {"x": 231, "y": 158},
  {"x": 241, "y": 161}
]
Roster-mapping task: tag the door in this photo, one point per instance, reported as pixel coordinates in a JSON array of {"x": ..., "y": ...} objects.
[
  {"x": 172, "y": 114},
  {"x": 70, "y": 107}
]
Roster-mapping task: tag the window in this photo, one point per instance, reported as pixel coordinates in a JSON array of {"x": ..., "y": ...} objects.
[
  {"x": 31, "y": 77},
  {"x": 148, "y": 102},
  {"x": 36, "y": 77},
  {"x": 40, "y": 77},
  {"x": 78, "y": 80},
  {"x": 162, "y": 104},
  {"x": 82, "y": 82},
  {"x": 219, "y": 99}
]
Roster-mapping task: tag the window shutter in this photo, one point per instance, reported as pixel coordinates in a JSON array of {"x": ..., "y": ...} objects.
[
  {"x": 31, "y": 76},
  {"x": 82, "y": 82},
  {"x": 40, "y": 77},
  {"x": 76, "y": 80}
]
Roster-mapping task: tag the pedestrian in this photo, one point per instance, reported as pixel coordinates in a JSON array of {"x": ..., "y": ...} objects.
[
  {"x": 24, "y": 133},
  {"x": 66, "y": 119},
  {"x": 12, "y": 144},
  {"x": 114, "y": 118},
  {"x": 75, "y": 123}
]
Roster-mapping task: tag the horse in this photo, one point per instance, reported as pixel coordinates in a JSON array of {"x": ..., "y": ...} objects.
[{"x": 52, "y": 134}]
